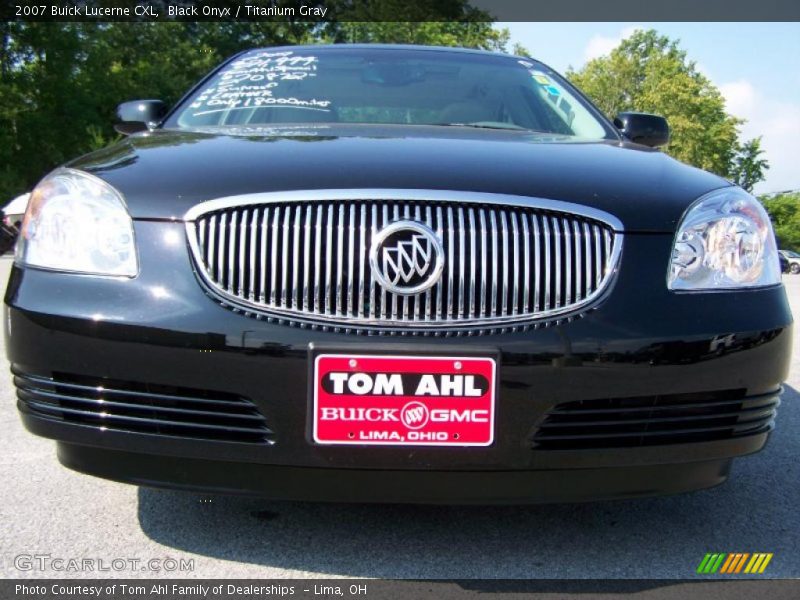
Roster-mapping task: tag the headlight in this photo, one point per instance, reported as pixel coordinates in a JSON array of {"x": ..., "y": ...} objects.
[
  {"x": 725, "y": 241},
  {"x": 77, "y": 222}
]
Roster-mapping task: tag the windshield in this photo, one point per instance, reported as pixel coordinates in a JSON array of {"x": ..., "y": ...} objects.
[{"x": 389, "y": 86}]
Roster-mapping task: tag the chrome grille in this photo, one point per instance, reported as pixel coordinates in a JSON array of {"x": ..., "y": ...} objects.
[{"x": 508, "y": 260}]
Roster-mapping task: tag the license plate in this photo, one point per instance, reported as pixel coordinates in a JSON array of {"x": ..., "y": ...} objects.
[{"x": 404, "y": 400}]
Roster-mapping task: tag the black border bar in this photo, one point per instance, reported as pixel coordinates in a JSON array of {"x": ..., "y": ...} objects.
[
  {"x": 371, "y": 589},
  {"x": 326, "y": 11}
]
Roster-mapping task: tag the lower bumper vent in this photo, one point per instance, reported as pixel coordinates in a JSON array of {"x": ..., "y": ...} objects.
[
  {"x": 142, "y": 408},
  {"x": 655, "y": 420}
]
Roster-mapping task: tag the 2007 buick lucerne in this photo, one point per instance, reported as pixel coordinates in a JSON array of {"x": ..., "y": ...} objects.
[{"x": 387, "y": 273}]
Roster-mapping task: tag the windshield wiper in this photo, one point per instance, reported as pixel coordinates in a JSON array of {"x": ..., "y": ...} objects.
[{"x": 489, "y": 125}]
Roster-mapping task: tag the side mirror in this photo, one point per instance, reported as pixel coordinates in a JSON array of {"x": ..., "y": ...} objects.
[
  {"x": 643, "y": 128},
  {"x": 139, "y": 115}
]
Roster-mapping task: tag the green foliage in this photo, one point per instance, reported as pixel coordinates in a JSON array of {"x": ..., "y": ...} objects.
[
  {"x": 61, "y": 82},
  {"x": 748, "y": 164},
  {"x": 469, "y": 35},
  {"x": 649, "y": 72},
  {"x": 784, "y": 210}
]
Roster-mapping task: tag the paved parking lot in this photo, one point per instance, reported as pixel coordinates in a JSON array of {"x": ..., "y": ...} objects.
[{"x": 46, "y": 509}]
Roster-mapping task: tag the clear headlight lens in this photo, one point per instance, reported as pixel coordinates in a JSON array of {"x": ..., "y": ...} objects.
[
  {"x": 725, "y": 241},
  {"x": 77, "y": 222}
]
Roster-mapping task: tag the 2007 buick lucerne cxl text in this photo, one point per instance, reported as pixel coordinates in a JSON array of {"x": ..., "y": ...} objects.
[{"x": 388, "y": 273}]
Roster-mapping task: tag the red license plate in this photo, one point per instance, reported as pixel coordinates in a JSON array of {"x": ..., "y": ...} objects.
[{"x": 404, "y": 400}]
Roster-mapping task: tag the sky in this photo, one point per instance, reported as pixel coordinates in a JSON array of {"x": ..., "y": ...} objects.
[{"x": 756, "y": 66}]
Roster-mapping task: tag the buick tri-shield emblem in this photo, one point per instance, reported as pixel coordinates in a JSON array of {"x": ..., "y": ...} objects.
[{"x": 406, "y": 258}]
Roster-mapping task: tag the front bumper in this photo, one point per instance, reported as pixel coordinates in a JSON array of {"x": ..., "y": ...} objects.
[{"x": 641, "y": 345}]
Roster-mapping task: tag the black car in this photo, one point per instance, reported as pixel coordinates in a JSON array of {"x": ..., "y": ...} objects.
[{"x": 386, "y": 273}]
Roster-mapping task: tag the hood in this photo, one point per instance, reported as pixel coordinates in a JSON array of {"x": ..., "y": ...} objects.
[{"x": 165, "y": 172}]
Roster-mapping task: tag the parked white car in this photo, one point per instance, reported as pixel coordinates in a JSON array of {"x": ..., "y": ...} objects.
[
  {"x": 11, "y": 216},
  {"x": 794, "y": 260},
  {"x": 15, "y": 210}
]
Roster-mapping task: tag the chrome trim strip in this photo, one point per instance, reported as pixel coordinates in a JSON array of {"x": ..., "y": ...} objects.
[
  {"x": 451, "y": 265},
  {"x": 273, "y": 275},
  {"x": 220, "y": 253},
  {"x": 212, "y": 243},
  {"x": 253, "y": 238},
  {"x": 526, "y": 269},
  {"x": 557, "y": 261},
  {"x": 504, "y": 229},
  {"x": 598, "y": 271},
  {"x": 317, "y": 259},
  {"x": 546, "y": 266},
  {"x": 373, "y": 300},
  {"x": 440, "y": 285},
  {"x": 484, "y": 266},
  {"x": 473, "y": 257},
  {"x": 429, "y": 291},
  {"x": 493, "y": 223},
  {"x": 328, "y": 262},
  {"x": 242, "y": 249},
  {"x": 285, "y": 259},
  {"x": 306, "y": 256},
  {"x": 231, "y": 252},
  {"x": 515, "y": 240},
  {"x": 337, "y": 288},
  {"x": 262, "y": 292},
  {"x": 536, "y": 258},
  {"x": 606, "y": 257},
  {"x": 578, "y": 261},
  {"x": 361, "y": 261},
  {"x": 295, "y": 256},
  {"x": 400, "y": 194},
  {"x": 567, "y": 262},
  {"x": 462, "y": 255}
]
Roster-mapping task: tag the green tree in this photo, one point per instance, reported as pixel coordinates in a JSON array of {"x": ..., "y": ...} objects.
[
  {"x": 748, "y": 165},
  {"x": 649, "y": 72},
  {"x": 784, "y": 210},
  {"x": 479, "y": 34}
]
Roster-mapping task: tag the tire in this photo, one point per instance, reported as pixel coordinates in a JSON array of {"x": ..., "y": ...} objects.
[{"x": 794, "y": 268}]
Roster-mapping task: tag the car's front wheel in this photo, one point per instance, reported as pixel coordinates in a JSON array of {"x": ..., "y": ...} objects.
[{"x": 794, "y": 268}]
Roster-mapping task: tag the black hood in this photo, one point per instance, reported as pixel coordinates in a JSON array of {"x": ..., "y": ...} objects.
[{"x": 164, "y": 173}]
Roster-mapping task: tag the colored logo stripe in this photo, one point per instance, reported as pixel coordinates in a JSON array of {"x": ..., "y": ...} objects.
[
  {"x": 710, "y": 563},
  {"x": 758, "y": 563},
  {"x": 731, "y": 563},
  {"x": 734, "y": 563}
]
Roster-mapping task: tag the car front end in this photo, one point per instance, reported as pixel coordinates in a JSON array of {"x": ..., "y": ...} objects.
[{"x": 396, "y": 313}]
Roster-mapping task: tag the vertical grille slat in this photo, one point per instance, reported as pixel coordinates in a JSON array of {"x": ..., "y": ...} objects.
[
  {"x": 440, "y": 283},
  {"x": 493, "y": 232},
  {"x": 504, "y": 286},
  {"x": 327, "y": 306},
  {"x": 372, "y": 232},
  {"x": 450, "y": 262},
  {"x": 484, "y": 266},
  {"x": 504, "y": 264},
  {"x": 558, "y": 267},
  {"x": 526, "y": 257},
  {"x": 306, "y": 258},
  {"x": 231, "y": 251},
  {"x": 461, "y": 263},
  {"x": 362, "y": 257},
  {"x": 515, "y": 278},
  {"x": 473, "y": 257},
  {"x": 546, "y": 266}
]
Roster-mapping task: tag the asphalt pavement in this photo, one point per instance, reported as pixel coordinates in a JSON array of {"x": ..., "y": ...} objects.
[{"x": 48, "y": 510}]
